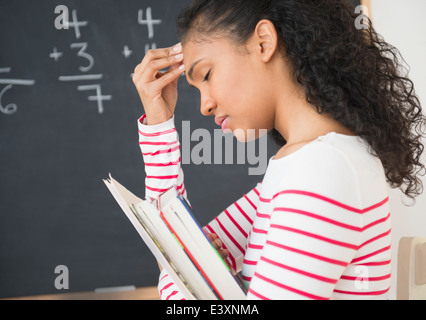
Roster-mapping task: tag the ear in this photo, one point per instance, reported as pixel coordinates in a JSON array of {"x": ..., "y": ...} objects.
[{"x": 266, "y": 39}]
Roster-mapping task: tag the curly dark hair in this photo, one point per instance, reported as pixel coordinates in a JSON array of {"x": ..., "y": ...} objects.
[{"x": 349, "y": 73}]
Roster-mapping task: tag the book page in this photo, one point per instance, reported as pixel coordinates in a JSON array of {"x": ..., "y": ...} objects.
[{"x": 127, "y": 196}]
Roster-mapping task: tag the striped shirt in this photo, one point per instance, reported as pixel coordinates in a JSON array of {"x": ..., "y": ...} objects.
[{"x": 316, "y": 227}]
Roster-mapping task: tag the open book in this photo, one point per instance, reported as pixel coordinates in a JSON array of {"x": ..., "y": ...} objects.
[{"x": 179, "y": 244}]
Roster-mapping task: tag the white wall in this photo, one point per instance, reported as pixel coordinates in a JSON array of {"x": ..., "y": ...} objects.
[{"x": 403, "y": 24}]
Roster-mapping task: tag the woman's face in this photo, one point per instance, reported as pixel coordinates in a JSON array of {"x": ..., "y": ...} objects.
[{"x": 234, "y": 86}]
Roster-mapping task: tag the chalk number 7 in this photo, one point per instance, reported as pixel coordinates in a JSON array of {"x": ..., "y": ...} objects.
[{"x": 82, "y": 53}]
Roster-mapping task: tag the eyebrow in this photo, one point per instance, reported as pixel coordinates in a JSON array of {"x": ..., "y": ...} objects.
[{"x": 191, "y": 69}]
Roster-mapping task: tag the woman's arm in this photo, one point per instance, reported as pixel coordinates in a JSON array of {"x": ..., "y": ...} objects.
[{"x": 160, "y": 149}]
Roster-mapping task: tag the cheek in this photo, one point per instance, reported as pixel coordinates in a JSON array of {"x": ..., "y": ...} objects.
[
  {"x": 235, "y": 90},
  {"x": 240, "y": 95},
  {"x": 227, "y": 89}
]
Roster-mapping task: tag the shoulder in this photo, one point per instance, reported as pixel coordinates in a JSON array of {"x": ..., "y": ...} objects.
[
  {"x": 289, "y": 149},
  {"x": 332, "y": 151},
  {"x": 325, "y": 152},
  {"x": 335, "y": 166},
  {"x": 320, "y": 160}
]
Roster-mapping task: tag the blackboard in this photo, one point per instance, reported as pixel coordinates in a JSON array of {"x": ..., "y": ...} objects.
[{"x": 68, "y": 117}]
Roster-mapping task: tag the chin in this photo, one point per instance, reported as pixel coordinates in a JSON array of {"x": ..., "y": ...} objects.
[{"x": 247, "y": 135}]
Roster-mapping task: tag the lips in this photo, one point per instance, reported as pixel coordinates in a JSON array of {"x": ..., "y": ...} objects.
[{"x": 222, "y": 122}]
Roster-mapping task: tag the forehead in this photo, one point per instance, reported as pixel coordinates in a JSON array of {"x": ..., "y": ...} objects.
[{"x": 211, "y": 49}]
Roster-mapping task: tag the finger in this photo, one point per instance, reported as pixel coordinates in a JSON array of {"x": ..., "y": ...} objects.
[
  {"x": 217, "y": 243},
  {"x": 214, "y": 240},
  {"x": 152, "y": 69},
  {"x": 155, "y": 54},
  {"x": 173, "y": 67},
  {"x": 168, "y": 78},
  {"x": 224, "y": 253},
  {"x": 136, "y": 71},
  {"x": 212, "y": 236},
  {"x": 137, "y": 74}
]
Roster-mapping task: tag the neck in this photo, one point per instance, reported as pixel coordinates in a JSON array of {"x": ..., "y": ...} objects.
[{"x": 298, "y": 121}]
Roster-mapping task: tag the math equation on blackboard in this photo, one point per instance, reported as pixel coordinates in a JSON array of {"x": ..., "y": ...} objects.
[{"x": 86, "y": 80}]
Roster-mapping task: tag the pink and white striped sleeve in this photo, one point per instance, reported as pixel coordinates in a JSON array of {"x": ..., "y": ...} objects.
[
  {"x": 233, "y": 226},
  {"x": 161, "y": 153}
]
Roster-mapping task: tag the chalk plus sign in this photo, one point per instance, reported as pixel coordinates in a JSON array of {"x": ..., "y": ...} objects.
[
  {"x": 55, "y": 54},
  {"x": 149, "y": 21},
  {"x": 126, "y": 52}
]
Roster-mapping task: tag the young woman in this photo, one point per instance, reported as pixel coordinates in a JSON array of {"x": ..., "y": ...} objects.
[{"x": 318, "y": 224}]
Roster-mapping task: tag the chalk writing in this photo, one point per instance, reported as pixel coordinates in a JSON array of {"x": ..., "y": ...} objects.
[
  {"x": 150, "y": 46},
  {"x": 81, "y": 77},
  {"x": 149, "y": 22},
  {"x": 82, "y": 53},
  {"x": 86, "y": 66},
  {"x": 126, "y": 52},
  {"x": 77, "y": 24},
  {"x": 98, "y": 97},
  {"x": 11, "y": 108},
  {"x": 55, "y": 54}
]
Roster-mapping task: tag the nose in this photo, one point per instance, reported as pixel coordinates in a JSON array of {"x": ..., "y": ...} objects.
[{"x": 207, "y": 106}]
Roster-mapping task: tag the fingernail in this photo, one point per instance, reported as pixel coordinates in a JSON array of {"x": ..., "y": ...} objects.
[
  {"x": 177, "y": 48},
  {"x": 179, "y": 56},
  {"x": 182, "y": 67}
]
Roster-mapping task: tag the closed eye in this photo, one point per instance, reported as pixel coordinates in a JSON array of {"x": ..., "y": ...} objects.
[{"x": 206, "y": 78}]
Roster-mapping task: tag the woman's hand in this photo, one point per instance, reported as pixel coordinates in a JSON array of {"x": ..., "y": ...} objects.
[
  {"x": 217, "y": 243},
  {"x": 158, "y": 90}
]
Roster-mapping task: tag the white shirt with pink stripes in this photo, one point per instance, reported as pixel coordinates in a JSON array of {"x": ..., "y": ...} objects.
[{"x": 316, "y": 227}]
